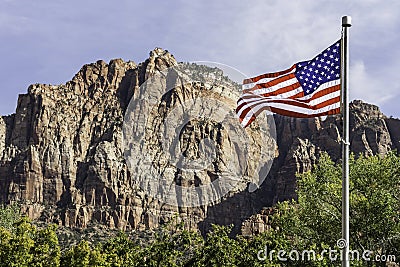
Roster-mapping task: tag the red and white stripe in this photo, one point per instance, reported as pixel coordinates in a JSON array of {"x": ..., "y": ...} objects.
[{"x": 282, "y": 93}]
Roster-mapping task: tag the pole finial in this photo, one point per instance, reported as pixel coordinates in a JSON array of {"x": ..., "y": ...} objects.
[{"x": 346, "y": 21}]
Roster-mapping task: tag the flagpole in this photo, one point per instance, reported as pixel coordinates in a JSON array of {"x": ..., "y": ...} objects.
[{"x": 346, "y": 24}]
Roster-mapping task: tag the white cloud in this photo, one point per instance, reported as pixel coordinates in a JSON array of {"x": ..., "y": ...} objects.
[
  {"x": 366, "y": 86},
  {"x": 254, "y": 36}
]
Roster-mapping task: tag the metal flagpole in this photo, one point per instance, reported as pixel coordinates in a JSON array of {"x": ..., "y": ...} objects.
[{"x": 346, "y": 24}]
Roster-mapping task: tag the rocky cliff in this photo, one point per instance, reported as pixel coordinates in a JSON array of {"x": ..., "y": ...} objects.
[{"x": 62, "y": 155}]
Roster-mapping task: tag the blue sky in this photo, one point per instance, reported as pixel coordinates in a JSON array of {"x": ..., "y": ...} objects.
[{"x": 48, "y": 41}]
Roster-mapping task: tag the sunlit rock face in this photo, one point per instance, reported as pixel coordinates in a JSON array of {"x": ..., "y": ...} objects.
[{"x": 62, "y": 152}]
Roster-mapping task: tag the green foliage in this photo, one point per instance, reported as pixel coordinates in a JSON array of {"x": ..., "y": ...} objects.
[
  {"x": 375, "y": 203},
  {"x": 313, "y": 222},
  {"x": 82, "y": 255},
  {"x": 46, "y": 250},
  {"x": 27, "y": 246},
  {"x": 219, "y": 249},
  {"x": 9, "y": 214},
  {"x": 120, "y": 251},
  {"x": 315, "y": 219},
  {"x": 172, "y": 246}
]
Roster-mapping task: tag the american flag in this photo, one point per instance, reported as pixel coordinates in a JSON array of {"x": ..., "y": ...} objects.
[{"x": 307, "y": 89}]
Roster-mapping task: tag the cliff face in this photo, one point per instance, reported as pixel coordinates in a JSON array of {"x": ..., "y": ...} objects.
[
  {"x": 300, "y": 141},
  {"x": 61, "y": 139},
  {"x": 62, "y": 157}
]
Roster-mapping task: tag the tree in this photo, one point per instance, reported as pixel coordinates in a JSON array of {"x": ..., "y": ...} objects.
[
  {"x": 46, "y": 250},
  {"x": 172, "y": 246},
  {"x": 24, "y": 245},
  {"x": 315, "y": 219},
  {"x": 219, "y": 249},
  {"x": 120, "y": 251},
  {"x": 82, "y": 255},
  {"x": 9, "y": 214},
  {"x": 16, "y": 246}
]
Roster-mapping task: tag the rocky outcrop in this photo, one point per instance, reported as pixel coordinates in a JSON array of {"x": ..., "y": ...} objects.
[
  {"x": 61, "y": 159},
  {"x": 393, "y": 126},
  {"x": 62, "y": 152},
  {"x": 301, "y": 141},
  {"x": 257, "y": 223},
  {"x": 62, "y": 156}
]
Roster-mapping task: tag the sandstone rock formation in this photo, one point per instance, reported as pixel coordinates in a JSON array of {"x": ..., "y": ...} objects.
[
  {"x": 62, "y": 158},
  {"x": 62, "y": 153},
  {"x": 300, "y": 142}
]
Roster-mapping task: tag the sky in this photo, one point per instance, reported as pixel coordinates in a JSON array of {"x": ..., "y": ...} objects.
[{"x": 48, "y": 41}]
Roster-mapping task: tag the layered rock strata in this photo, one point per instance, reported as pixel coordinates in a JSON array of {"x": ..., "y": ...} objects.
[{"x": 62, "y": 155}]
